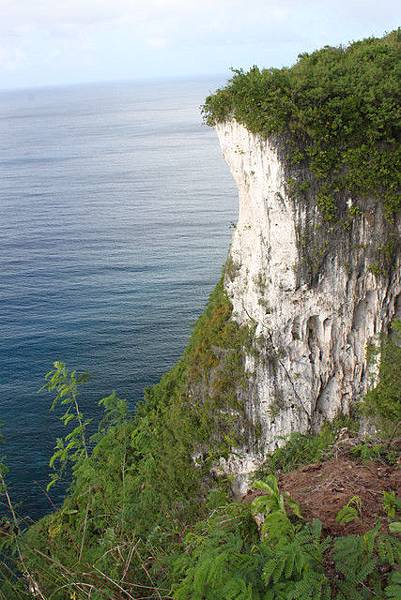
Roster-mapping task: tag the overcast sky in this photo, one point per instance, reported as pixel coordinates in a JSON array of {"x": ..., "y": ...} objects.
[{"x": 45, "y": 42}]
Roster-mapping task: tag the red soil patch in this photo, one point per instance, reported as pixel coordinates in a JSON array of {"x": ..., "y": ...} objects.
[{"x": 323, "y": 489}]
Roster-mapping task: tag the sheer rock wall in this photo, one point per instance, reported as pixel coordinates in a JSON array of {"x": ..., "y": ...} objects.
[{"x": 312, "y": 290}]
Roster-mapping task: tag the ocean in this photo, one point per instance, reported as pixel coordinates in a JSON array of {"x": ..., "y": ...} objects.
[{"x": 115, "y": 213}]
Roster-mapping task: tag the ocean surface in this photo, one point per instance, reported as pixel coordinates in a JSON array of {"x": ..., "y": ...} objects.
[{"x": 115, "y": 212}]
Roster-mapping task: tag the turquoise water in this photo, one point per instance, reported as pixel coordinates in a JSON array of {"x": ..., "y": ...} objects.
[{"x": 115, "y": 207}]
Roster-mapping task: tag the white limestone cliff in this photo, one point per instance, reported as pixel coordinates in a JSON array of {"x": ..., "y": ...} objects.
[{"x": 312, "y": 332}]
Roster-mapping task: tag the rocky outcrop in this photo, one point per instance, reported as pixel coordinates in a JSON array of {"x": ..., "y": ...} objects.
[{"x": 316, "y": 293}]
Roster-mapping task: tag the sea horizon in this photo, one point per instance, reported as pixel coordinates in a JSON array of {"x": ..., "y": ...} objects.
[{"x": 220, "y": 78}]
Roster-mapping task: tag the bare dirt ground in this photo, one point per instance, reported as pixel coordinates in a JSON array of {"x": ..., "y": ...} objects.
[{"x": 323, "y": 489}]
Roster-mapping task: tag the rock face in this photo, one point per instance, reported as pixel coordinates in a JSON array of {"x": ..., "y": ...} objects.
[{"x": 316, "y": 293}]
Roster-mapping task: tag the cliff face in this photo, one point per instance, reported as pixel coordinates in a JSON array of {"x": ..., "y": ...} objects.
[{"x": 315, "y": 293}]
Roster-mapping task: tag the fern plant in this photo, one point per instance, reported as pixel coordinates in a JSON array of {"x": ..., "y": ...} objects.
[
  {"x": 361, "y": 561},
  {"x": 391, "y": 504},
  {"x": 393, "y": 590},
  {"x": 227, "y": 560},
  {"x": 222, "y": 560},
  {"x": 350, "y": 511},
  {"x": 294, "y": 569},
  {"x": 273, "y": 501}
]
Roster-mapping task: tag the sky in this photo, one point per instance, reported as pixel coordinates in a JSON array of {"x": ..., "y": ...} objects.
[{"x": 56, "y": 42}]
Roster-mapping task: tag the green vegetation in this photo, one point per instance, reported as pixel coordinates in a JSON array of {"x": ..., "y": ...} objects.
[
  {"x": 73, "y": 449},
  {"x": 302, "y": 449},
  {"x": 144, "y": 518},
  {"x": 337, "y": 115},
  {"x": 350, "y": 511},
  {"x": 146, "y": 514},
  {"x": 232, "y": 268},
  {"x": 370, "y": 450},
  {"x": 226, "y": 557},
  {"x": 383, "y": 403},
  {"x": 125, "y": 532},
  {"x": 391, "y": 504}
]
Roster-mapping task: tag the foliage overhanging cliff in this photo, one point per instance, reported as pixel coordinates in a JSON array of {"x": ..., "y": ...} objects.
[{"x": 339, "y": 110}]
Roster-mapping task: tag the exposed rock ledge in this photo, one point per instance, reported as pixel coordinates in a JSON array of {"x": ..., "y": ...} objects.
[{"x": 311, "y": 333}]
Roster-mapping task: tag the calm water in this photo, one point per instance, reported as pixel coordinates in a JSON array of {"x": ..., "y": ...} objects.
[{"x": 115, "y": 207}]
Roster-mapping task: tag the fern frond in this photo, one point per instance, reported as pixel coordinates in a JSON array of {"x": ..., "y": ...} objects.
[{"x": 393, "y": 590}]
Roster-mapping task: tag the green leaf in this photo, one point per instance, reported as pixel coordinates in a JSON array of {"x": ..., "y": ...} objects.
[
  {"x": 270, "y": 485},
  {"x": 54, "y": 478},
  {"x": 350, "y": 511},
  {"x": 395, "y": 527}
]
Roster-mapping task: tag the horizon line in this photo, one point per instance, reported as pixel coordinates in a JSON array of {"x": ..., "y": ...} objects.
[{"x": 155, "y": 79}]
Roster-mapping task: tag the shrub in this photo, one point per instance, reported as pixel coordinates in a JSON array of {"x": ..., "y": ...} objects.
[
  {"x": 383, "y": 403},
  {"x": 337, "y": 112}
]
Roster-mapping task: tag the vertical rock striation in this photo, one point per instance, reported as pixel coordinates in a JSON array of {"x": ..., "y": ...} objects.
[{"x": 314, "y": 292}]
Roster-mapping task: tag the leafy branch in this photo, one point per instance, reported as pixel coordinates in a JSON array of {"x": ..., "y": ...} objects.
[{"x": 73, "y": 448}]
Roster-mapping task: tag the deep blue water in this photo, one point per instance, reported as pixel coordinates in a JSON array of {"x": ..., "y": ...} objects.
[{"x": 115, "y": 207}]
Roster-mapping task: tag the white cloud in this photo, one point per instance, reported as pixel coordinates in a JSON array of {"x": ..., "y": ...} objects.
[
  {"x": 11, "y": 58},
  {"x": 157, "y": 42},
  {"x": 95, "y": 31},
  {"x": 17, "y": 16}
]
